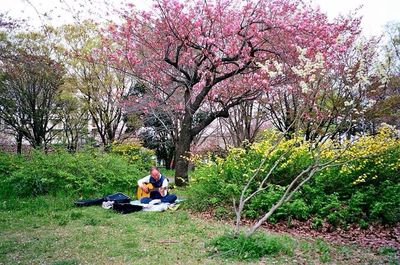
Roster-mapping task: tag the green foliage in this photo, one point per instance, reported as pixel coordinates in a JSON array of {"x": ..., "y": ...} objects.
[
  {"x": 241, "y": 247},
  {"x": 362, "y": 191},
  {"x": 84, "y": 173},
  {"x": 167, "y": 172},
  {"x": 135, "y": 153},
  {"x": 316, "y": 223},
  {"x": 222, "y": 213}
]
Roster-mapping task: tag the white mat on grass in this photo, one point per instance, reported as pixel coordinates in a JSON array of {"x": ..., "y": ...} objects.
[{"x": 160, "y": 207}]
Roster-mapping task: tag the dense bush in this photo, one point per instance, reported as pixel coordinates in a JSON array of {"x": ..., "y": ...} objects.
[
  {"x": 363, "y": 190},
  {"x": 241, "y": 247},
  {"x": 87, "y": 173},
  {"x": 135, "y": 153}
]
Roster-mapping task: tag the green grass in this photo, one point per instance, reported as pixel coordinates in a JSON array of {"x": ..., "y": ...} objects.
[
  {"x": 240, "y": 247},
  {"x": 49, "y": 230}
]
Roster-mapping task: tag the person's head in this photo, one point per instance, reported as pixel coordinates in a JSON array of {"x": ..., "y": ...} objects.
[{"x": 155, "y": 172}]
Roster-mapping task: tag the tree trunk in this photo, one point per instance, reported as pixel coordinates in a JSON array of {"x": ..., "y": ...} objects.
[
  {"x": 182, "y": 164},
  {"x": 168, "y": 161},
  {"x": 38, "y": 143},
  {"x": 19, "y": 138},
  {"x": 182, "y": 152}
]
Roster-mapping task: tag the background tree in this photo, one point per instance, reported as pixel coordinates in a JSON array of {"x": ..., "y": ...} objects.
[
  {"x": 100, "y": 86},
  {"x": 244, "y": 123},
  {"x": 202, "y": 55},
  {"x": 386, "y": 98},
  {"x": 327, "y": 96},
  {"x": 157, "y": 134},
  {"x": 73, "y": 116},
  {"x": 29, "y": 87}
]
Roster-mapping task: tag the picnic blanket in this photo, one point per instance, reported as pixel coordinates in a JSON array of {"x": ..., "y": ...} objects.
[
  {"x": 136, "y": 205},
  {"x": 158, "y": 207},
  {"x": 123, "y": 204}
]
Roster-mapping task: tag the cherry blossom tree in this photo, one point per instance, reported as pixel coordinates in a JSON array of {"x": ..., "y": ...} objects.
[{"x": 203, "y": 55}]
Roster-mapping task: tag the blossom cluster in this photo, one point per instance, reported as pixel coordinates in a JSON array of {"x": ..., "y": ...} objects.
[{"x": 215, "y": 47}]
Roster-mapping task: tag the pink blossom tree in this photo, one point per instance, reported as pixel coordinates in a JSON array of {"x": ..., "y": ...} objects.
[{"x": 203, "y": 56}]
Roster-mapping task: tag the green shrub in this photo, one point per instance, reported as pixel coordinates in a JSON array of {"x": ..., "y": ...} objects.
[
  {"x": 135, "y": 153},
  {"x": 386, "y": 205},
  {"x": 9, "y": 163},
  {"x": 85, "y": 173},
  {"x": 363, "y": 224},
  {"x": 222, "y": 213},
  {"x": 299, "y": 209},
  {"x": 206, "y": 189},
  {"x": 264, "y": 201},
  {"x": 316, "y": 223},
  {"x": 254, "y": 247},
  {"x": 365, "y": 189}
]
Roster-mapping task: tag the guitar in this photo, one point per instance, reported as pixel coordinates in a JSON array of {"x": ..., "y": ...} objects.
[{"x": 140, "y": 193}]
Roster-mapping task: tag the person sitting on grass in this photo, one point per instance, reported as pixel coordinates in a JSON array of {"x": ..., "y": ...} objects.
[{"x": 160, "y": 183}]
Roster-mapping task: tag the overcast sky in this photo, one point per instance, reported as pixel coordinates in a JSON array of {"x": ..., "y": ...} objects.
[{"x": 376, "y": 13}]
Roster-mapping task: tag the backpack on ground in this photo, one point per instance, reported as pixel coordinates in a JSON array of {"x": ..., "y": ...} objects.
[{"x": 125, "y": 208}]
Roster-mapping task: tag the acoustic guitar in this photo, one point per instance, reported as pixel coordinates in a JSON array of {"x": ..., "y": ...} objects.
[{"x": 140, "y": 193}]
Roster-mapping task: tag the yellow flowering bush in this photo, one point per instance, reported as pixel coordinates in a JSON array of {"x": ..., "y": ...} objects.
[
  {"x": 373, "y": 156},
  {"x": 365, "y": 186},
  {"x": 360, "y": 186},
  {"x": 134, "y": 152}
]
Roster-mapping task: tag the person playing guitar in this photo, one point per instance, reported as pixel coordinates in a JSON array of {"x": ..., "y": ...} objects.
[{"x": 154, "y": 188}]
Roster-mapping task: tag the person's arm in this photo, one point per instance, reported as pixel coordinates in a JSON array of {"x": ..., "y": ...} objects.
[
  {"x": 164, "y": 187},
  {"x": 141, "y": 183}
]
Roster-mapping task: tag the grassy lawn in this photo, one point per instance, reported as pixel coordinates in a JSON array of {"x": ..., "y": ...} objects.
[{"x": 49, "y": 230}]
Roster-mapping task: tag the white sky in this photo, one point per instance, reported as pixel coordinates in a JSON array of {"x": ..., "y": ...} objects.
[{"x": 376, "y": 13}]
